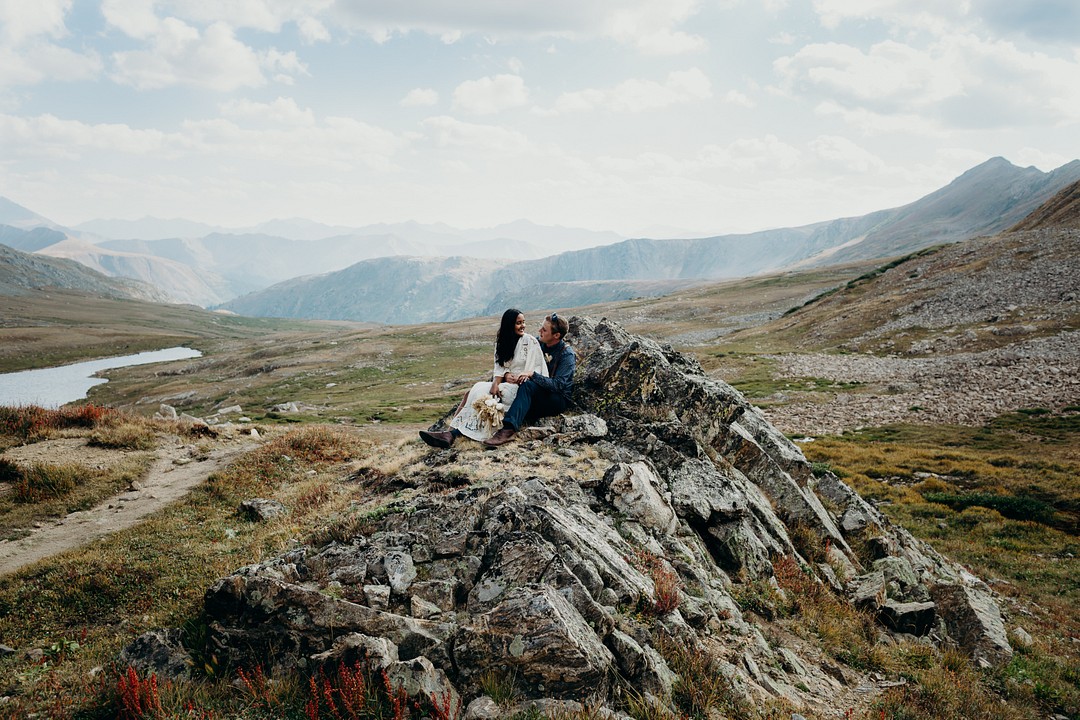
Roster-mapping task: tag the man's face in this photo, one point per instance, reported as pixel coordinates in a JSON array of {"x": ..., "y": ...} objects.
[{"x": 546, "y": 336}]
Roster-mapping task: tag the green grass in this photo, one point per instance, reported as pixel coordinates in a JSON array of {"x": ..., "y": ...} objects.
[
  {"x": 1019, "y": 465},
  {"x": 43, "y": 491}
]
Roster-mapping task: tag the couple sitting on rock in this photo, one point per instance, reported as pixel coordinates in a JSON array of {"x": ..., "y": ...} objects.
[{"x": 532, "y": 379}]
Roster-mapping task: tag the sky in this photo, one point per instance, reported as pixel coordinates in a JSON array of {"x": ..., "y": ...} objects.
[{"x": 644, "y": 117}]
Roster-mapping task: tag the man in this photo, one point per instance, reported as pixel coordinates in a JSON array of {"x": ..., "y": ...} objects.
[{"x": 539, "y": 396}]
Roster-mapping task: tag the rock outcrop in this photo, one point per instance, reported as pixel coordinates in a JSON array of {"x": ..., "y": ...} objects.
[{"x": 581, "y": 581}]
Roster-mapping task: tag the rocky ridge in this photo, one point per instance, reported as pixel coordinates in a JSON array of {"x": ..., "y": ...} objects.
[{"x": 593, "y": 545}]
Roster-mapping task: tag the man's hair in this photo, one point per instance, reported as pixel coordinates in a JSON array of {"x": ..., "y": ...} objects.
[{"x": 558, "y": 325}]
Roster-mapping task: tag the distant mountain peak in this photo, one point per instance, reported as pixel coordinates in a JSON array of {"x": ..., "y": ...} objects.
[{"x": 17, "y": 216}]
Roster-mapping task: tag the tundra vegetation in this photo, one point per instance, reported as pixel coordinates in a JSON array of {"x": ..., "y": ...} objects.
[{"x": 1003, "y": 499}]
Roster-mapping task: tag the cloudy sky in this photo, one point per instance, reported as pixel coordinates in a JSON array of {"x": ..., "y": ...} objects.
[{"x": 633, "y": 115}]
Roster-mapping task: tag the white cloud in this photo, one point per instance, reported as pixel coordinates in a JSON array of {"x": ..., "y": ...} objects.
[
  {"x": 27, "y": 55},
  {"x": 751, "y": 154},
  {"x": 181, "y": 55},
  {"x": 49, "y": 136},
  {"x": 264, "y": 15},
  {"x": 734, "y": 97},
  {"x": 36, "y": 62},
  {"x": 869, "y": 122},
  {"x": 312, "y": 30},
  {"x": 649, "y": 25},
  {"x": 930, "y": 15},
  {"x": 420, "y": 97},
  {"x": 283, "y": 111},
  {"x": 844, "y": 154},
  {"x": 890, "y": 73},
  {"x": 490, "y": 95},
  {"x": 1043, "y": 160},
  {"x": 450, "y": 132},
  {"x": 140, "y": 18},
  {"x": 637, "y": 95},
  {"x": 959, "y": 80},
  {"x": 244, "y": 145},
  {"x": 135, "y": 18},
  {"x": 24, "y": 19},
  {"x": 286, "y": 64}
]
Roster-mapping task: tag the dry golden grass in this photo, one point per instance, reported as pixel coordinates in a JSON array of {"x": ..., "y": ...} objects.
[{"x": 1033, "y": 565}]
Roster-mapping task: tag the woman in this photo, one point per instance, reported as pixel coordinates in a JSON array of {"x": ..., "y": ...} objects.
[{"x": 517, "y": 356}]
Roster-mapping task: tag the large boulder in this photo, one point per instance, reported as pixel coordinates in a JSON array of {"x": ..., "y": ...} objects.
[{"x": 590, "y": 549}]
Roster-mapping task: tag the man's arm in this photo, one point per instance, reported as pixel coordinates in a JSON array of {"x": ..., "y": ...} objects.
[{"x": 562, "y": 382}]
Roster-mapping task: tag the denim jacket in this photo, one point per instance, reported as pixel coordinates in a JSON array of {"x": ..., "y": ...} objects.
[{"x": 561, "y": 369}]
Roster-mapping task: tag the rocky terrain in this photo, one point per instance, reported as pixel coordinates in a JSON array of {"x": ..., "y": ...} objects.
[
  {"x": 965, "y": 388},
  {"x": 958, "y": 335},
  {"x": 585, "y": 559}
]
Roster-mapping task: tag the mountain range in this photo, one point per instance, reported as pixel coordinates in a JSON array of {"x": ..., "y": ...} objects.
[
  {"x": 412, "y": 272},
  {"x": 987, "y": 199},
  {"x": 23, "y": 272}
]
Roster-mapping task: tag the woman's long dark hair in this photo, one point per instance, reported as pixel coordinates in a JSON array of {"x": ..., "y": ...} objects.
[{"x": 507, "y": 339}]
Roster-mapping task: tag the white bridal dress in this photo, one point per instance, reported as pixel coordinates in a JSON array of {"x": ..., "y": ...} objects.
[{"x": 528, "y": 358}]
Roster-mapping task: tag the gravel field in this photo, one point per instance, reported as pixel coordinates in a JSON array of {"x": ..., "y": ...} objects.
[{"x": 961, "y": 389}]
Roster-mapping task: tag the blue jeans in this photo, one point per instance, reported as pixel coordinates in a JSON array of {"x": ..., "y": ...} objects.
[{"x": 532, "y": 402}]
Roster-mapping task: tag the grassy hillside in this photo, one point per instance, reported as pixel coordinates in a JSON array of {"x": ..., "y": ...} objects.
[{"x": 44, "y": 328}]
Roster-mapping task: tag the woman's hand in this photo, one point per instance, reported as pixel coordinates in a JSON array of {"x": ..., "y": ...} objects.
[{"x": 494, "y": 391}]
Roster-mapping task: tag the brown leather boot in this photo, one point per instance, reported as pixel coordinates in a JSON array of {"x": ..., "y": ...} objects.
[
  {"x": 500, "y": 438},
  {"x": 437, "y": 439}
]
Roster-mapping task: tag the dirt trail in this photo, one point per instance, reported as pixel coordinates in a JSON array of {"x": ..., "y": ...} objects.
[{"x": 174, "y": 473}]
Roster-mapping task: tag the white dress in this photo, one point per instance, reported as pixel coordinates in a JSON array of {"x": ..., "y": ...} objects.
[{"x": 528, "y": 358}]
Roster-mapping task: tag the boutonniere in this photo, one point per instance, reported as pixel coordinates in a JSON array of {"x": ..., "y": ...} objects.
[{"x": 547, "y": 357}]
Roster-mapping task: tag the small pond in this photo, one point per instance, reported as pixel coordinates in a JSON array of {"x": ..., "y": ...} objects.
[{"x": 55, "y": 386}]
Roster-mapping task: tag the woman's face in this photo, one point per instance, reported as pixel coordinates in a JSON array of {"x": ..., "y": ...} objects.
[{"x": 519, "y": 325}]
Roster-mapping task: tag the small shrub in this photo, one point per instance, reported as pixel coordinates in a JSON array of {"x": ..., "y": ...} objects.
[
  {"x": 30, "y": 422},
  {"x": 977, "y": 515},
  {"x": 42, "y": 481},
  {"x": 86, "y": 416},
  {"x": 355, "y": 692},
  {"x": 26, "y": 422},
  {"x": 701, "y": 691},
  {"x": 313, "y": 497},
  {"x": 137, "y": 698},
  {"x": 10, "y": 472},
  {"x": 761, "y": 598},
  {"x": 499, "y": 685},
  {"x": 641, "y": 707},
  {"x": 125, "y": 436},
  {"x": 257, "y": 687},
  {"x": 666, "y": 583},
  {"x": 445, "y": 707},
  {"x": 1011, "y": 506},
  {"x": 808, "y": 543}
]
